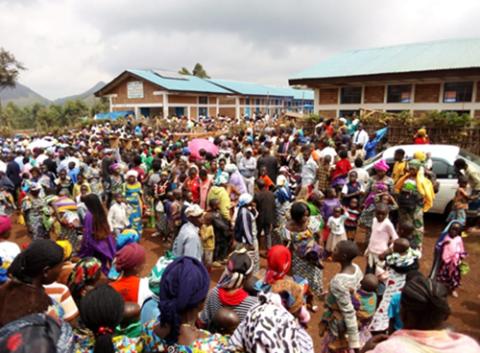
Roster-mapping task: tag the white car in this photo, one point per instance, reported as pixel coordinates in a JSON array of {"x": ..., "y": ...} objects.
[{"x": 443, "y": 157}]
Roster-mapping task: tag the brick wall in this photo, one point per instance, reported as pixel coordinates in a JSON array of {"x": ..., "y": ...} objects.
[
  {"x": 374, "y": 94},
  {"x": 226, "y": 100},
  {"x": 172, "y": 100},
  {"x": 328, "y": 113},
  {"x": 230, "y": 112},
  {"x": 148, "y": 96},
  {"x": 427, "y": 93},
  {"x": 329, "y": 96}
]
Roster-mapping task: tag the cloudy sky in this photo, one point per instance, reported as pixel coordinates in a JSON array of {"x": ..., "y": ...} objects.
[{"x": 70, "y": 45}]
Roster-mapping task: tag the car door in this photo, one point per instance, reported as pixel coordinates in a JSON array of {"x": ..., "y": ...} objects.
[{"x": 447, "y": 180}]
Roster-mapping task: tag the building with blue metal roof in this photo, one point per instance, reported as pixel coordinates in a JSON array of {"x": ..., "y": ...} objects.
[
  {"x": 161, "y": 93},
  {"x": 419, "y": 77}
]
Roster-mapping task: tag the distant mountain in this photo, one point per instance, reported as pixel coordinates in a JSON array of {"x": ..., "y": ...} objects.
[
  {"x": 86, "y": 96},
  {"x": 21, "y": 95}
]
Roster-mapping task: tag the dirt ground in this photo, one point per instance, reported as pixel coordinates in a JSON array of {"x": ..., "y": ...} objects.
[{"x": 465, "y": 308}]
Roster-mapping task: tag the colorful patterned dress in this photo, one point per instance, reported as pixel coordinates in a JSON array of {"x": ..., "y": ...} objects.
[
  {"x": 133, "y": 196},
  {"x": 33, "y": 210},
  {"x": 374, "y": 187},
  {"x": 210, "y": 344},
  {"x": 302, "y": 242},
  {"x": 84, "y": 342}
]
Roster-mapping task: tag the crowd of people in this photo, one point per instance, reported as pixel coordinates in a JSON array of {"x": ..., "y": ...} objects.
[{"x": 267, "y": 206}]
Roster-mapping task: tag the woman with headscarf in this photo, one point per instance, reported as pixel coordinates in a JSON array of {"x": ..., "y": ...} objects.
[
  {"x": 84, "y": 277},
  {"x": 219, "y": 192},
  {"x": 129, "y": 263},
  {"x": 24, "y": 294},
  {"x": 245, "y": 229},
  {"x": 279, "y": 262},
  {"x": 415, "y": 196},
  {"x": 421, "y": 137},
  {"x": 97, "y": 238},
  {"x": 183, "y": 289},
  {"x": 273, "y": 326},
  {"x": 132, "y": 191},
  {"x": 448, "y": 255},
  {"x": 378, "y": 184},
  {"x": 236, "y": 183},
  {"x": 229, "y": 292},
  {"x": 302, "y": 234},
  {"x": 424, "y": 309},
  {"x": 33, "y": 207}
]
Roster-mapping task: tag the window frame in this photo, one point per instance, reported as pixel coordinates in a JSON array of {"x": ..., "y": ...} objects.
[
  {"x": 456, "y": 100},
  {"x": 389, "y": 93},
  {"x": 350, "y": 96}
]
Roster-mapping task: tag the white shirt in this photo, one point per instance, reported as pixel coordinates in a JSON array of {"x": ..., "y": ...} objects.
[
  {"x": 328, "y": 151},
  {"x": 362, "y": 176},
  {"x": 360, "y": 137},
  {"x": 337, "y": 225},
  {"x": 118, "y": 216},
  {"x": 8, "y": 252}
]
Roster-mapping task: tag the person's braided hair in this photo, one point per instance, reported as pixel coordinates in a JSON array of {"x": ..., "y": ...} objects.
[
  {"x": 427, "y": 300},
  {"x": 101, "y": 310}
]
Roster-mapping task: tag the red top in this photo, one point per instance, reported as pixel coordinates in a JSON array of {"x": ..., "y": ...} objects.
[
  {"x": 141, "y": 173},
  {"x": 421, "y": 141},
  {"x": 342, "y": 167},
  {"x": 127, "y": 287},
  {"x": 193, "y": 185}
]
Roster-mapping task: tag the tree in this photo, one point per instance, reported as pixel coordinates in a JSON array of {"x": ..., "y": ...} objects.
[
  {"x": 184, "y": 71},
  {"x": 199, "y": 71},
  {"x": 9, "y": 69},
  {"x": 100, "y": 106}
]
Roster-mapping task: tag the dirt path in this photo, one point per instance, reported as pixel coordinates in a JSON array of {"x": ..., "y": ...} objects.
[{"x": 465, "y": 308}]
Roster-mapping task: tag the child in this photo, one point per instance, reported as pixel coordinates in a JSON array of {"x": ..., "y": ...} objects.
[
  {"x": 329, "y": 203},
  {"x": 225, "y": 321},
  {"x": 460, "y": 202},
  {"x": 451, "y": 262},
  {"x": 221, "y": 228},
  {"x": 8, "y": 249},
  {"x": 266, "y": 179},
  {"x": 352, "y": 189},
  {"x": 63, "y": 184},
  {"x": 81, "y": 182},
  {"x": 7, "y": 203},
  {"x": 336, "y": 223},
  {"x": 208, "y": 240},
  {"x": 383, "y": 235},
  {"x": 118, "y": 215},
  {"x": 351, "y": 223},
  {"x": 364, "y": 302}
]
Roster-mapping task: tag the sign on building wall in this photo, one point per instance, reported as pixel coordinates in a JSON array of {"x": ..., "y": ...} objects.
[{"x": 135, "y": 89}]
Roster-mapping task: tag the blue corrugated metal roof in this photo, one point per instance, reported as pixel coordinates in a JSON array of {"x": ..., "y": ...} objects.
[
  {"x": 186, "y": 83},
  {"x": 255, "y": 89},
  {"x": 439, "y": 55}
]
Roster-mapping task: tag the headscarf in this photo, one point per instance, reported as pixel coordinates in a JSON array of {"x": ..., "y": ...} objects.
[
  {"x": 444, "y": 233},
  {"x": 221, "y": 179},
  {"x": 131, "y": 173},
  {"x": 5, "y": 224},
  {"x": 127, "y": 236},
  {"x": 422, "y": 132},
  {"x": 239, "y": 266},
  {"x": 32, "y": 261},
  {"x": 279, "y": 259},
  {"x": 244, "y": 199},
  {"x": 37, "y": 333},
  {"x": 86, "y": 271},
  {"x": 420, "y": 156},
  {"x": 291, "y": 294},
  {"x": 424, "y": 185},
  {"x": 230, "y": 168},
  {"x": 381, "y": 165},
  {"x": 67, "y": 248},
  {"x": 183, "y": 286},
  {"x": 129, "y": 257}
]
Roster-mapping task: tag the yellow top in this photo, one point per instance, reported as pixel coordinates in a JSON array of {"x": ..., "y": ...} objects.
[
  {"x": 208, "y": 237},
  {"x": 399, "y": 170}
]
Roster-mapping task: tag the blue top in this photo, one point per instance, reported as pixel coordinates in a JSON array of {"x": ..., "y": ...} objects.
[{"x": 394, "y": 311}]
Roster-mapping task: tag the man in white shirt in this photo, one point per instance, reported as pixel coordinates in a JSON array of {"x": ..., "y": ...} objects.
[
  {"x": 118, "y": 215},
  {"x": 247, "y": 167},
  {"x": 360, "y": 137}
]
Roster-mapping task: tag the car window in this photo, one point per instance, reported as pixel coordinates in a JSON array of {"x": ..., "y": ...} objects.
[
  {"x": 442, "y": 169},
  {"x": 469, "y": 156}
]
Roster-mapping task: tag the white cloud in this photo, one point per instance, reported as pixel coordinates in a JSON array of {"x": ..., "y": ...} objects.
[{"x": 68, "y": 46}]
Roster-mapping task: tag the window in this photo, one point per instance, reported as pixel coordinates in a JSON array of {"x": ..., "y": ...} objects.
[
  {"x": 349, "y": 113},
  {"x": 399, "y": 94},
  {"x": 351, "y": 95},
  {"x": 247, "y": 101},
  {"x": 257, "y": 101},
  {"x": 202, "y": 111},
  {"x": 203, "y": 100},
  {"x": 457, "y": 92},
  {"x": 442, "y": 169}
]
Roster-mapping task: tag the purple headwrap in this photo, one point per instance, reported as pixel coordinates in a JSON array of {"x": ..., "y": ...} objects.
[
  {"x": 381, "y": 165},
  {"x": 183, "y": 286}
]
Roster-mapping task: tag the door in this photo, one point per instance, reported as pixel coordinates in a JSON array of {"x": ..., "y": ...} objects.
[
  {"x": 179, "y": 111},
  {"x": 447, "y": 180}
]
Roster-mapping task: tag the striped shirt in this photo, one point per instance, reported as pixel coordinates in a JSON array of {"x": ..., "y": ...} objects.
[
  {"x": 213, "y": 304},
  {"x": 61, "y": 294}
]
